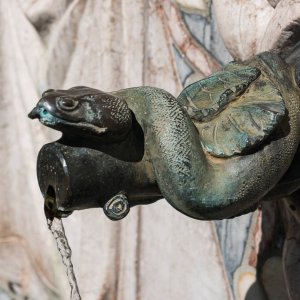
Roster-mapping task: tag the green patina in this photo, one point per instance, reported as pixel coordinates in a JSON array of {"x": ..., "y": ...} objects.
[{"x": 217, "y": 149}]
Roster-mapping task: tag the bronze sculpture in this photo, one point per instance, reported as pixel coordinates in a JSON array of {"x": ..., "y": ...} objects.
[{"x": 213, "y": 153}]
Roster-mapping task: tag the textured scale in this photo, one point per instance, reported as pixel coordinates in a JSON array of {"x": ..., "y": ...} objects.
[
  {"x": 118, "y": 109},
  {"x": 206, "y": 98},
  {"x": 202, "y": 186},
  {"x": 246, "y": 115},
  {"x": 252, "y": 109},
  {"x": 165, "y": 127}
]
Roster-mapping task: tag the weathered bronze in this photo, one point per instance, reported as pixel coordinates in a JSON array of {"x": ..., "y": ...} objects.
[
  {"x": 75, "y": 177},
  {"x": 214, "y": 152}
]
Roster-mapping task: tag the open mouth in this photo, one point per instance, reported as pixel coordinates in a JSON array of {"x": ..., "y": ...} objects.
[{"x": 46, "y": 118}]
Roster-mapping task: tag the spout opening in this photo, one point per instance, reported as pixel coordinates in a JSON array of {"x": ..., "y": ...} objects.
[
  {"x": 50, "y": 197},
  {"x": 50, "y": 203}
]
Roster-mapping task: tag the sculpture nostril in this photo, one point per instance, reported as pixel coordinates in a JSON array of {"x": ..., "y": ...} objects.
[{"x": 43, "y": 112}]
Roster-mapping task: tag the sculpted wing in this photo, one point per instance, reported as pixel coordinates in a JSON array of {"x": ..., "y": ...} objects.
[{"x": 234, "y": 110}]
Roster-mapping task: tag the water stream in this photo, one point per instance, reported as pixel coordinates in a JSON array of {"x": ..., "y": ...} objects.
[{"x": 57, "y": 229}]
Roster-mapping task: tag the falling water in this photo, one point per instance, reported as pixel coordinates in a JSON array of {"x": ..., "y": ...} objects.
[{"x": 57, "y": 229}]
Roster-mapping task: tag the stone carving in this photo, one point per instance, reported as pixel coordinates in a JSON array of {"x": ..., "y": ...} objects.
[
  {"x": 257, "y": 26},
  {"x": 195, "y": 6},
  {"x": 212, "y": 153}
]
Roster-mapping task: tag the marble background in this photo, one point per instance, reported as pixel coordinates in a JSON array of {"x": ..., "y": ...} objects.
[{"x": 154, "y": 253}]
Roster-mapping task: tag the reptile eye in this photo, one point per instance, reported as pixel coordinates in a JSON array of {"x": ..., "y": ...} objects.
[{"x": 67, "y": 104}]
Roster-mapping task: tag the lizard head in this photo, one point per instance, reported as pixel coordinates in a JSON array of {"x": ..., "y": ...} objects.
[{"x": 85, "y": 112}]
